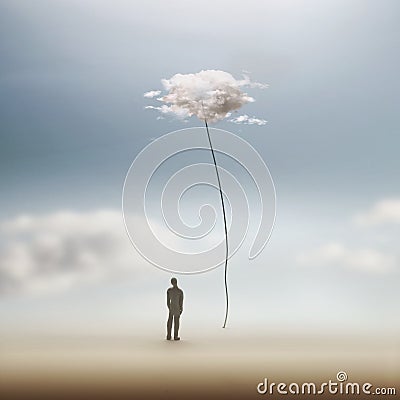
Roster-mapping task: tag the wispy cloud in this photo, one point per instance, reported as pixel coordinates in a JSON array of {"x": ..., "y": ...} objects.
[
  {"x": 338, "y": 255},
  {"x": 246, "y": 81},
  {"x": 385, "y": 211},
  {"x": 246, "y": 120},
  {"x": 56, "y": 251},
  {"x": 152, "y": 93}
]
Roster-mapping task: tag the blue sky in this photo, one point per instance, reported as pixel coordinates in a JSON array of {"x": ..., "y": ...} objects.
[{"x": 72, "y": 78}]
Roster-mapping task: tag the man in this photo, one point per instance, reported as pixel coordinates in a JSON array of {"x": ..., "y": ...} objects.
[{"x": 175, "y": 307}]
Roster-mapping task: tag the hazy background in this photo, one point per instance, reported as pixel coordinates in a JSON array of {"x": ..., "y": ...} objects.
[{"x": 72, "y": 78}]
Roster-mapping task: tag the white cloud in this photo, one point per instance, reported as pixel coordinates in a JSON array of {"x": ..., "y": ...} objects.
[
  {"x": 247, "y": 82},
  {"x": 209, "y": 94},
  {"x": 164, "y": 109},
  {"x": 385, "y": 211},
  {"x": 337, "y": 255},
  {"x": 245, "y": 119},
  {"x": 59, "y": 250},
  {"x": 152, "y": 93}
]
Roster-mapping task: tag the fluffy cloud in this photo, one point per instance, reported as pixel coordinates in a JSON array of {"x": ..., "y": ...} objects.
[
  {"x": 209, "y": 94},
  {"x": 56, "y": 251},
  {"x": 245, "y": 119},
  {"x": 385, "y": 211},
  {"x": 335, "y": 254}
]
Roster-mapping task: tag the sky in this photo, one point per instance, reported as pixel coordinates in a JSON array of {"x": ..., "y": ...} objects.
[{"x": 73, "y": 118}]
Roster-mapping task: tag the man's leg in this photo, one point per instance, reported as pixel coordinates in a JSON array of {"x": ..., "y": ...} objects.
[
  {"x": 169, "y": 325},
  {"x": 176, "y": 326}
]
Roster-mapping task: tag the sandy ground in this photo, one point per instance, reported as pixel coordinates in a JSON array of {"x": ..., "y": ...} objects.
[{"x": 223, "y": 365}]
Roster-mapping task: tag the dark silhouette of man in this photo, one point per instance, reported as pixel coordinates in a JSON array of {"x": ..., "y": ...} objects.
[{"x": 175, "y": 307}]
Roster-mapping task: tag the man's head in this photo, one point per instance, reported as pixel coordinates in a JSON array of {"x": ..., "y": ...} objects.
[{"x": 174, "y": 282}]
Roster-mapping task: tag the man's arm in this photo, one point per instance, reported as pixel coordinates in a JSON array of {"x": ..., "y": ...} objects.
[
  {"x": 168, "y": 299},
  {"x": 181, "y": 302}
]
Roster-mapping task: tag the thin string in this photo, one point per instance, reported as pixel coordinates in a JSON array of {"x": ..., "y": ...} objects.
[{"x": 225, "y": 225}]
